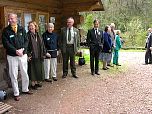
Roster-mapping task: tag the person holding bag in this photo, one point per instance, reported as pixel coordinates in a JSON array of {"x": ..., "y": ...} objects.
[{"x": 51, "y": 44}]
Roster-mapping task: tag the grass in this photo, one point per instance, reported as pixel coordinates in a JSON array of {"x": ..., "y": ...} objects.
[
  {"x": 131, "y": 50},
  {"x": 113, "y": 71}
]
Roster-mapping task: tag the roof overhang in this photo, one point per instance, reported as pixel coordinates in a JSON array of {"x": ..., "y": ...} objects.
[{"x": 83, "y": 5}]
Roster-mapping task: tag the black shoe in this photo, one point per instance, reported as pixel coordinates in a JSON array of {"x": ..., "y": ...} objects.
[
  {"x": 34, "y": 87},
  {"x": 74, "y": 76},
  {"x": 54, "y": 78},
  {"x": 118, "y": 65},
  {"x": 104, "y": 68},
  {"x": 92, "y": 73},
  {"x": 107, "y": 67},
  {"x": 38, "y": 85},
  {"x": 48, "y": 80},
  {"x": 64, "y": 76},
  {"x": 97, "y": 73},
  {"x": 145, "y": 64},
  {"x": 110, "y": 65},
  {"x": 150, "y": 62},
  {"x": 28, "y": 92}
]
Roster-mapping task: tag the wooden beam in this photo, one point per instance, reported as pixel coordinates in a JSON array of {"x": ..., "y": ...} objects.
[{"x": 31, "y": 5}]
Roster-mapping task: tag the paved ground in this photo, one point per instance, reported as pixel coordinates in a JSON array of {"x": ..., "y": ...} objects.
[{"x": 121, "y": 90}]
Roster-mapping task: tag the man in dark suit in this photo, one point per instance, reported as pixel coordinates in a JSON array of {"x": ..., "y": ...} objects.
[
  {"x": 148, "y": 56},
  {"x": 69, "y": 41},
  {"x": 95, "y": 42},
  {"x": 149, "y": 45}
]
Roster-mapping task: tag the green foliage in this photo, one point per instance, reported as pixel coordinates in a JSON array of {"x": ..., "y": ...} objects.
[
  {"x": 132, "y": 17},
  {"x": 135, "y": 33},
  {"x": 88, "y": 22}
]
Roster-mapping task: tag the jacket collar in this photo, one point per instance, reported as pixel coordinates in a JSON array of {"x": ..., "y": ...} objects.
[{"x": 18, "y": 27}]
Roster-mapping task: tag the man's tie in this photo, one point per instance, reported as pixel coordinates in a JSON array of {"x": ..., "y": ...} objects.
[
  {"x": 96, "y": 33},
  {"x": 14, "y": 29},
  {"x": 69, "y": 35}
]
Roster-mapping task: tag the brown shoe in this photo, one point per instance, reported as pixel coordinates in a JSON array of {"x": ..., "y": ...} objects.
[
  {"x": 64, "y": 76},
  {"x": 34, "y": 87},
  {"x": 17, "y": 98},
  {"x": 38, "y": 85},
  {"x": 29, "y": 93},
  {"x": 48, "y": 80}
]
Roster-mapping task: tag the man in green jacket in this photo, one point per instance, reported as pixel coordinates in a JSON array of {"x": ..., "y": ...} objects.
[{"x": 69, "y": 43}]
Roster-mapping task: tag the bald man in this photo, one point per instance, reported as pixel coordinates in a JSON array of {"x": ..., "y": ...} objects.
[
  {"x": 15, "y": 42},
  {"x": 69, "y": 42}
]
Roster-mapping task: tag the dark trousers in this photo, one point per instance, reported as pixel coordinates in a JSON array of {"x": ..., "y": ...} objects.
[
  {"x": 70, "y": 54},
  {"x": 148, "y": 56},
  {"x": 94, "y": 58}
]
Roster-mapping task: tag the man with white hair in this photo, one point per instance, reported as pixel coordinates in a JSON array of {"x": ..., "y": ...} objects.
[
  {"x": 15, "y": 42},
  {"x": 51, "y": 44},
  {"x": 69, "y": 44}
]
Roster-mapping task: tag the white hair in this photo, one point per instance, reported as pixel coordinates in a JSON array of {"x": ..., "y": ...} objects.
[
  {"x": 112, "y": 25},
  {"x": 10, "y": 14},
  {"x": 149, "y": 29},
  {"x": 50, "y": 25}
]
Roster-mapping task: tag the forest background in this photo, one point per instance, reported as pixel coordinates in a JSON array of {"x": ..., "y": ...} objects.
[{"x": 132, "y": 17}]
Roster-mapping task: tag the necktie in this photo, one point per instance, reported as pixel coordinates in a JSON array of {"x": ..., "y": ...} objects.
[
  {"x": 69, "y": 35},
  {"x": 14, "y": 29},
  {"x": 96, "y": 33}
]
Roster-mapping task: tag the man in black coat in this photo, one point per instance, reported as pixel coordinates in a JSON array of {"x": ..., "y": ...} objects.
[
  {"x": 149, "y": 46},
  {"x": 95, "y": 43},
  {"x": 148, "y": 56}
]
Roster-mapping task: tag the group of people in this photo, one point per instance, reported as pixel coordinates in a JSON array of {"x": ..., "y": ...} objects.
[
  {"x": 35, "y": 56},
  {"x": 148, "y": 46},
  {"x": 102, "y": 45}
]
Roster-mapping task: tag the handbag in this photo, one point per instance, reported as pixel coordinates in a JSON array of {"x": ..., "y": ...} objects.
[{"x": 81, "y": 61}]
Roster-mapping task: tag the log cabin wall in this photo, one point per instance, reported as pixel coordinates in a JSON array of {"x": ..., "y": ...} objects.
[{"x": 25, "y": 9}]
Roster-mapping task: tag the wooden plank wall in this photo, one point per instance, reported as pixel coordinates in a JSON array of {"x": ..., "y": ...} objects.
[{"x": 51, "y": 6}]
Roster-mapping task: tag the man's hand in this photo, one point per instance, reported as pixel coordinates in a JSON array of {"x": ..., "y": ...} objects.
[
  {"x": 19, "y": 52},
  {"x": 48, "y": 55},
  {"x": 150, "y": 48},
  {"x": 57, "y": 53},
  {"x": 29, "y": 58}
]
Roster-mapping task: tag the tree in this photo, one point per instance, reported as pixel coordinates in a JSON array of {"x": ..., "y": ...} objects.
[{"x": 132, "y": 17}]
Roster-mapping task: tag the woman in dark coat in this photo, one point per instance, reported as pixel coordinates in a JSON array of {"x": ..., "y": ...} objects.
[
  {"x": 107, "y": 47},
  {"x": 36, "y": 53}
]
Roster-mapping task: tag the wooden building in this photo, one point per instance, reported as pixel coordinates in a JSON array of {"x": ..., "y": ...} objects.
[{"x": 42, "y": 11}]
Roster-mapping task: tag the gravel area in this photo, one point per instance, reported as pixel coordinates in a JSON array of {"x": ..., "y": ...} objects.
[{"x": 120, "y": 90}]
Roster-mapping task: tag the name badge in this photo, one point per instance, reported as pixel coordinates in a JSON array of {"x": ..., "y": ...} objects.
[
  {"x": 21, "y": 34},
  {"x": 48, "y": 38},
  {"x": 11, "y": 36}
]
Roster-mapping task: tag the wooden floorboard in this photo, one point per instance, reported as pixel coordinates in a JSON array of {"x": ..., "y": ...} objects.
[{"x": 4, "y": 107}]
